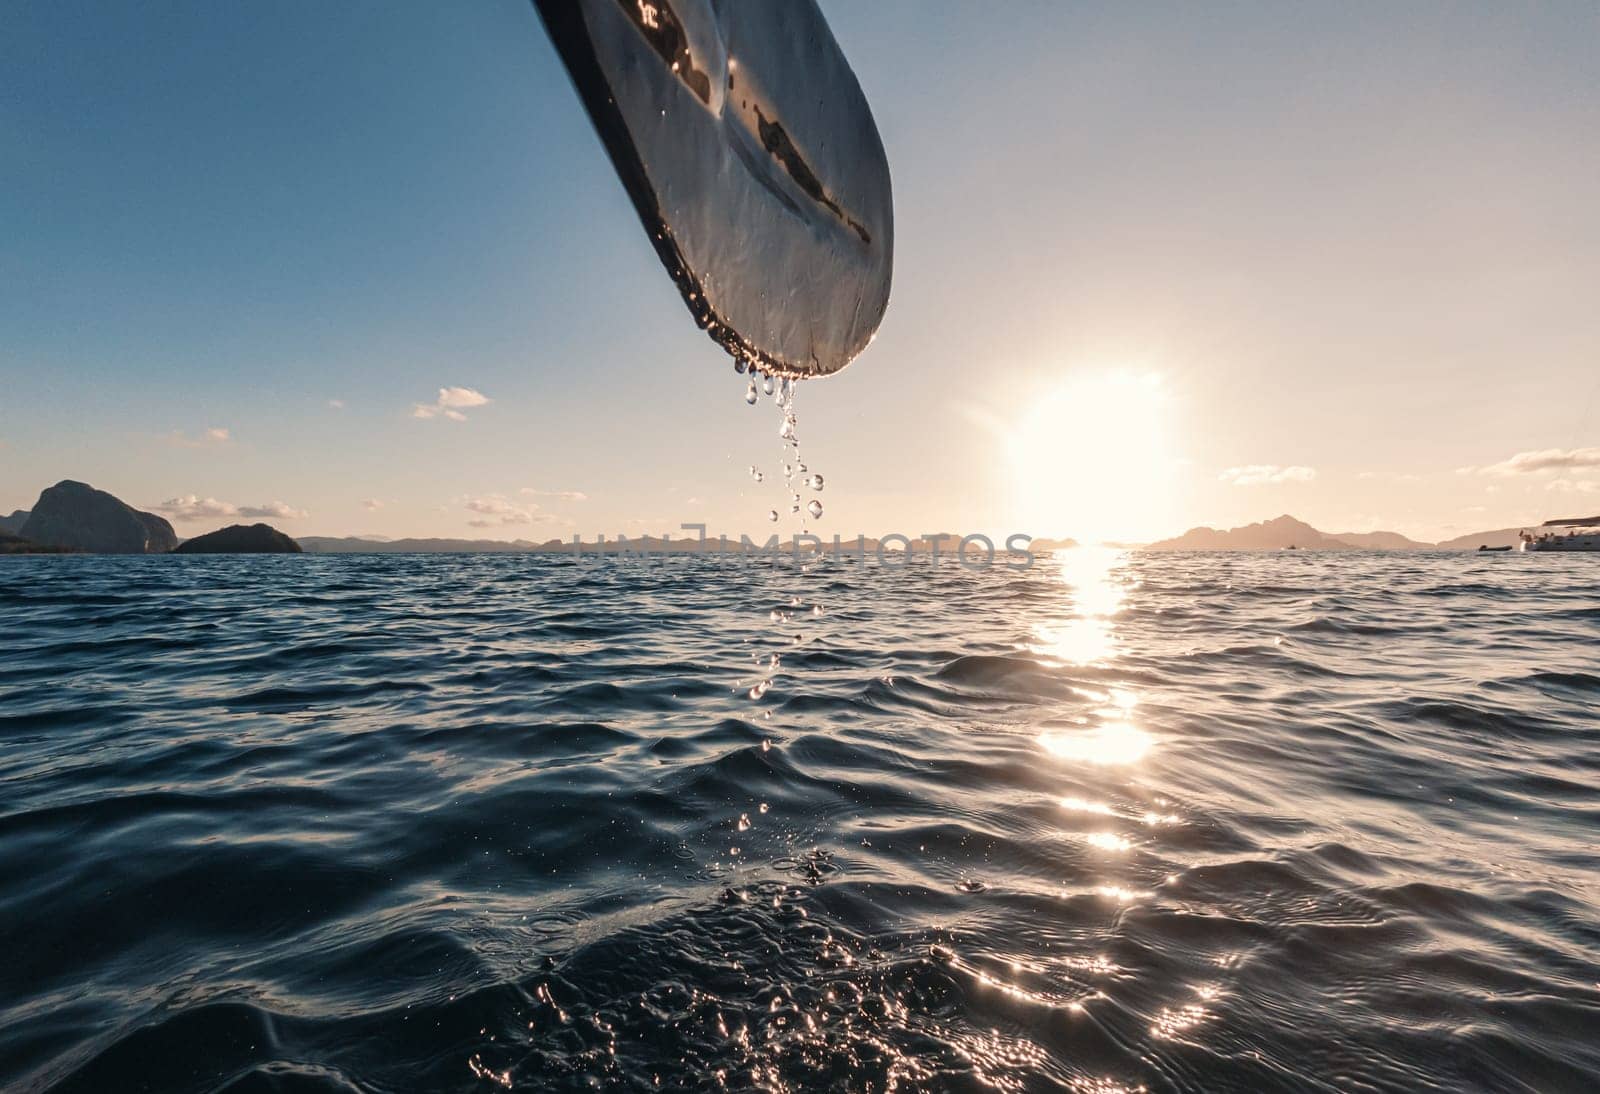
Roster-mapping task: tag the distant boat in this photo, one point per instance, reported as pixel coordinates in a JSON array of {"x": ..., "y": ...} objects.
[
  {"x": 1486, "y": 547},
  {"x": 1567, "y": 534}
]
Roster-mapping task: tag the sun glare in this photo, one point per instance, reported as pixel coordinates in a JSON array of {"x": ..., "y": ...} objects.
[{"x": 1093, "y": 460}]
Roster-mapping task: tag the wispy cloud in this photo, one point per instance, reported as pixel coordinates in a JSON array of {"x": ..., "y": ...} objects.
[
  {"x": 272, "y": 509},
  {"x": 190, "y": 507},
  {"x": 335, "y": 404},
  {"x": 372, "y": 504},
  {"x": 1573, "y": 486},
  {"x": 564, "y": 495},
  {"x": 1544, "y": 459},
  {"x": 1267, "y": 474},
  {"x": 495, "y": 510},
  {"x": 451, "y": 403},
  {"x": 214, "y": 437}
]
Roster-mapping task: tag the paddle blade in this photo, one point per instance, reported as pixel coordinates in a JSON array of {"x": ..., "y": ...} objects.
[{"x": 749, "y": 151}]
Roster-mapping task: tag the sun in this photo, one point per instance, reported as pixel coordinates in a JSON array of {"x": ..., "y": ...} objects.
[{"x": 1092, "y": 459}]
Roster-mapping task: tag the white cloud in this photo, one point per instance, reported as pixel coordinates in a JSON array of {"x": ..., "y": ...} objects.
[
  {"x": 1546, "y": 459},
  {"x": 192, "y": 507},
  {"x": 214, "y": 437},
  {"x": 564, "y": 495},
  {"x": 275, "y": 509},
  {"x": 452, "y": 401},
  {"x": 1263, "y": 474},
  {"x": 496, "y": 509},
  {"x": 373, "y": 503},
  {"x": 336, "y": 404}
]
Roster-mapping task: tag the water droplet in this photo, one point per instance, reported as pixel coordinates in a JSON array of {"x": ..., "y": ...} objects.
[
  {"x": 738, "y": 365},
  {"x": 764, "y": 806},
  {"x": 750, "y": 393},
  {"x": 744, "y": 822},
  {"x": 772, "y": 514},
  {"x": 786, "y": 430},
  {"x": 760, "y": 689},
  {"x": 766, "y": 384},
  {"x": 755, "y": 473},
  {"x": 815, "y": 508},
  {"x": 815, "y": 482}
]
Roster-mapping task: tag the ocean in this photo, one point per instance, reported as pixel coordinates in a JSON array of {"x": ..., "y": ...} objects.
[{"x": 1225, "y": 822}]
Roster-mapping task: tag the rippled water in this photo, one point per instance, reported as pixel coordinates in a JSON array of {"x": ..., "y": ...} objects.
[{"x": 393, "y": 823}]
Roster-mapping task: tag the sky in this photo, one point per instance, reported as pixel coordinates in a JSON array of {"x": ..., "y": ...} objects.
[{"x": 365, "y": 269}]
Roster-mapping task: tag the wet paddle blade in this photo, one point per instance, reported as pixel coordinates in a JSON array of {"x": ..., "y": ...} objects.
[{"x": 749, "y": 151}]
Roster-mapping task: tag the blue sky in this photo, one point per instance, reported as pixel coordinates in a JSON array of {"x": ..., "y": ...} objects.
[{"x": 1354, "y": 247}]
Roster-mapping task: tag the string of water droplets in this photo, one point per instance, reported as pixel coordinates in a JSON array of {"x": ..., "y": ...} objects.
[{"x": 783, "y": 391}]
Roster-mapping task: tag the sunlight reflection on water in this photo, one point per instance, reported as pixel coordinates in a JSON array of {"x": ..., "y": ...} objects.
[
  {"x": 963, "y": 860},
  {"x": 1114, "y": 744},
  {"x": 1097, "y": 581}
]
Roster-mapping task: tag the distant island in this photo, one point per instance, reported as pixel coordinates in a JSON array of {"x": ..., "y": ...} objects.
[
  {"x": 240, "y": 539},
  {"x": 1286, "y": 532},
  {"x": 74, "y": 517},
  {"x": 688, "y": 543},
  {"x": 1280, "y": 533}
]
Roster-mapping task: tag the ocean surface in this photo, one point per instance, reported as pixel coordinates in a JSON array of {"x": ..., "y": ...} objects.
[{"x": 1293, "y": 821}]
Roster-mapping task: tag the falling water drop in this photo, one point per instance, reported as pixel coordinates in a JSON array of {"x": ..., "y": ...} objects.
[
  {"x": 761, "y": 689},
  {"x": 772, "y": 515},
  {"x": 750, "y": 393},
  {"x": 766, "y": 384},
  {"x": 755, "y": 473},
  {"x": 815, "y": 509},
  {"x": 815, "y": 482}
]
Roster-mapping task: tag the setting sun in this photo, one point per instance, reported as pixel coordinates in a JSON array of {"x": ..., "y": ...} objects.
[{"x": 1093, "y": 459}]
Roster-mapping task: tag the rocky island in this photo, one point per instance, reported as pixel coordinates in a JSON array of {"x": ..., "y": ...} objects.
[
  {"x": 240, "y": 539},
  {"x": 77, "y": 516}
]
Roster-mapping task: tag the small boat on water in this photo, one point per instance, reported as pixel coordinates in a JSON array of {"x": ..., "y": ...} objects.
[
  {"x": 1567, "y": 534},
  {"x": 1486, "y": 547}
]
